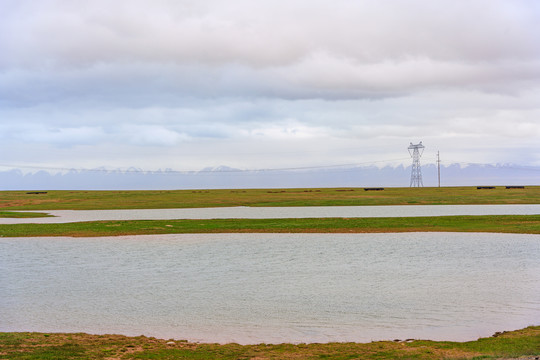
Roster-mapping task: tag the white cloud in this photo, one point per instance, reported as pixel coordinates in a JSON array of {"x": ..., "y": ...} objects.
[
  {"x": 133, "y": 52},
  {"x": 268, "y": 33},
  {"x": 150, "y": 135},
  {"x": 309, "y": 77}
]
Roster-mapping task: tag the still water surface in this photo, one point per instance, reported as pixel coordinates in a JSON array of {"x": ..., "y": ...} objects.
[
  {"x": 244, "y": 212},
  {"x": 252, "y": 288}
]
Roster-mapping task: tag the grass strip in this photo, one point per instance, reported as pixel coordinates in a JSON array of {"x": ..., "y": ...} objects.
[
  {"x": 525, "y": 342},
  {"x": 529, "y": 224},
  {"x": 12, "y": 214},
  {"x": 167, "y": 199}
]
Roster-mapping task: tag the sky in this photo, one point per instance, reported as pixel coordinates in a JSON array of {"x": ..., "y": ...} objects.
[{"x": 267, "y": 84}]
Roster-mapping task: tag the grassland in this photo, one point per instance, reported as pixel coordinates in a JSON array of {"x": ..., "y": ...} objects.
[
  {"x": 30, "y": 346},
  {"x": 504, "y": 224},
  {"x": 12, "y": 214},
  {"x": 96, "y": 200},
  {"x": 92, "y": 200}
]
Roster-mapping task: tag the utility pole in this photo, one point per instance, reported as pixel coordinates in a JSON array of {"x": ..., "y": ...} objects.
[
  {"x": 416, "y": 172},
  {"x": 439, "y": 168}
]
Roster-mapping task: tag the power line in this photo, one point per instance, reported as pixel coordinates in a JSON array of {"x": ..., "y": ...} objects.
[
  {"x": 333, "y": 168},
  {"x": 134, "y": 170},
  {"x": 505, "y": 166}
]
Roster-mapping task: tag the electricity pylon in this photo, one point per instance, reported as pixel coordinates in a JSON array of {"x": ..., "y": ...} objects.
[{"x": 416, "y": 172}]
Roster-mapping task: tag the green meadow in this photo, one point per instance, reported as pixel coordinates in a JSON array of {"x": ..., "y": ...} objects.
[
  {"x": 167, "y": 199},
  {"x": 13, "y": 214},
  {"x": 529, "y": 224},
  {"x": 95, "y": 200}
]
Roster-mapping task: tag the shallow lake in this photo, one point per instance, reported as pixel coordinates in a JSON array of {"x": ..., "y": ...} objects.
[
  {"x": 252, "y": 288},
  {"x": 243, "y": 212}
]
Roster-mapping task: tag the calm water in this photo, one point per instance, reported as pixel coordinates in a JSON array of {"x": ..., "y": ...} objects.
[
  {"x": 280, "y": 212},
  {"x": 252, "y": 288}
]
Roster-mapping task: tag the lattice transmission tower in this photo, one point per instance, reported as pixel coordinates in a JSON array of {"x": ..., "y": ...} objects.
[{"x": 416, "y": 152}]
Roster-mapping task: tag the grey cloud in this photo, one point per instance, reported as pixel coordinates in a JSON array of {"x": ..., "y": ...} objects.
[
  {"x": 268, "y": 33},
  {"x": 320, "y": 77},
  {"x": 222, "y": 80},
  {"x": 273, "y": 49},
  {"x": 430, "y": 114},
  {"x": 35, "y": 132}
]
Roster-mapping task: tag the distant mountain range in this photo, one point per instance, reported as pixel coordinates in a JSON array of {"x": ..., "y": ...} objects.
[{"x": 224, "y": 177}]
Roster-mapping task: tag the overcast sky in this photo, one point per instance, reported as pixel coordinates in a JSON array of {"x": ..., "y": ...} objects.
[{"x": 268, "y": 83}]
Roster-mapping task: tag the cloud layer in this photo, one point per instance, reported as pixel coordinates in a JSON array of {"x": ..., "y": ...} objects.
[{"x": 312, "y": 77}]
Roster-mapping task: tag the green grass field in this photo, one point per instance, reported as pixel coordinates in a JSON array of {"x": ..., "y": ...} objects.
[
  {"x": 504, "y": 224},
  {"x": 13, "y": 214},
  {"x": 166, "y": 199},
  {"x": 33, "y": 346},
  {"x": 92, "y": 200}
]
